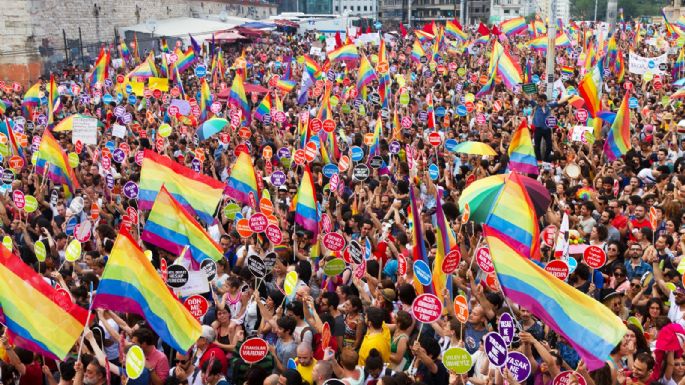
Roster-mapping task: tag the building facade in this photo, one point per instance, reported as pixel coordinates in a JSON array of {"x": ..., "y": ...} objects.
[
  {"x": 501, "y": 10},
  {"x": 359, "y": 8},
  {"x": 424, "y": 11},
  {"x": 320, "y": 7}
]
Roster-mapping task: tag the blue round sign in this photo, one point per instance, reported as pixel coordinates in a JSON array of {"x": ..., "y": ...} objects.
[
  {"x": 422, "y": 272},
  {"x": 71, "y": 224},
  {"x": 434, "y": 171},
  {"x": 120, "y": 97},
  {"x": 132, "y": 99},
  {"x": 461, "y": 110},
  {"x": 129, "y": 89},
  {"x": 44, "y": 100},
  {"x": 450, "y": 144},
  {"x": 316, "y": 140},
  {"x": 107, "y": 98},
  {"x": 651, "y": 64},
  {"x": 200, "y": 71},
  {"x": 110, "y": 145},
  {"x": 536, "y": 79},
  {"x": 632, "y": 102},
  {"x": 440, "y": 111},
  {"x": 356, "y": 153},
  {"x": 572, "y": 264},
  {"x": 329, "y": 170}
]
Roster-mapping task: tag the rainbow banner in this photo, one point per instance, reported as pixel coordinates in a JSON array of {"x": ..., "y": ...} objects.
[
  {"x": 512, "y": 219},
  {"x": 346, "y": 52},
  {"x": 172, "y": 228},
  {"x": 100, "y": 70},
  {"x": 53, "y": 161},
  {"x": 366, "y": 73},
  {"x": 264, "y": 108},
  {"x": 418, "y": 248},
  {"x": 305, "y": 207},
  {"x": 242, "y": 182},
  {"x": 237, "y": 97},
  {"x": 417, "y": 51},
  {"x": 37, "y": 316},
  {"x": 588, "y": 326},
  {"x": 197, "y": 193},
  {"x": 618, "y": 138},
  {"x": 131, "y": 284},
  {"x": 521, "y": 151},
  {"x": 455, "y": 31},
  {"x": 590, "y": 89},
  {"x": 513, "y": 26},
  {"x": 53, "y": 99}
]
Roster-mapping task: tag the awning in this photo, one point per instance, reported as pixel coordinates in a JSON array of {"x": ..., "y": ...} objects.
[
  {"x": 258, "y": 25},
  {"x": 228, "y": 36},
  {"x": 250, "y": 32},
  {"x": 286, "y": 23}
]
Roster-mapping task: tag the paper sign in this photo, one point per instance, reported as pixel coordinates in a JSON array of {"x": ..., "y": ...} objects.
[
  {"x": 426, "y": 308},
  {"x": 496, "y": 349},
  {"x": 85, "y": 130},
  {"x": 290, "y": 283},
  {"x": 135, "y": 362},
  {"x": 161, "y": 84},
  {"x": 457, "y": 360}
]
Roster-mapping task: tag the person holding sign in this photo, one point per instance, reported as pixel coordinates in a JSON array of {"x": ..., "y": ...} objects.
[{"x": 430, "y": 368}]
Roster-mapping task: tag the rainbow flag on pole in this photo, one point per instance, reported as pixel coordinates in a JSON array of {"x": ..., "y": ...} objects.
[
  {"x": 514, "y": 26},
  {"x": 242, "y": 181},
  {"x": 172, "y": 228},
  {"x": 454, "y": 30},
  {"x": 417, "y": 51},
  {"x": 305, "y": 205},
  {"x": 590, "y": 89},
  {"x": 197, "y": 193},
  {"x": 521, "y": 151},
  {"x": 264, "y": 108},
  {"x": 366, "y": 73},
  {"x": 346, "y": 52},
  {"x": 445, "y": 242},
  {"x": 618, "y": 138},
  {"x": 31, "y": 100},
  {"x": 131, "y": 284},
  {"x": 51, "y": 155},
  {"x": 99, "y": 73},
  {"x": 238, "y": 98},
  {"x": 418, "y": 248},
  {"x": 53, "y": 99},
  {"x": 38, "y": 317},
  {"x": 508, "y": 68}
]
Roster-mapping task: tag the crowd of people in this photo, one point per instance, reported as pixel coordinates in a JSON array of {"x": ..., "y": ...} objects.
[{"x": 374, "y": 336}]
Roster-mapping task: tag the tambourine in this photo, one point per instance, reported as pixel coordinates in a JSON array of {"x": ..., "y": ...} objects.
[{"x": 572, "y": 171}]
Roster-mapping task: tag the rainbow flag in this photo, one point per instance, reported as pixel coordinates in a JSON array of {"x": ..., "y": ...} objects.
[
  {"x": 130, "y": 284},
  {"x": 375, "y": 148},
  {"x": 618, "y": 138},
  {"x": 285, "y": 85},
  {"x": 165, "y": 68},
  {"x": 670, "y": 28},
  {"x": 521, "y": 151},
  {"x": 238, "y": 98},
  {"x": 100, "y": 70},
  {"x": 366, "y": 73},
  {"x": 144, "y": 70},
  {"x": 205, "y": 99},
  {"x": 567, "y": 70},
  {"x": 53, "y": 99},
  {"x": 37, "y": 316},
  {"x": 417, "y": 51},
  {"x": 31, "y": 98},
  {"x": 452, "y": 29},
  {"x": 497, "y": 51},
  {"x": 124, "y": 52},
  {"x": 312, "y": 67},
  {"x": 418, "y": 248},
  {"x": 679, "y": 64},
  {"x": 513, "y": 26},
  {"x": 513, "y": 221},
  {"x": 7, "y": 129},
  {"x": 163, "y": 45},
  {"x": 3, "y": 107},
  {"x": 185, "y": 59},
  {"x": 172, "y": 228},
  {"x": 197, "y": 193},
  {"x": 587, "y": 325},
  {"x": 446, "y": 241},
  {"x": 562, "y": 40},
  {"x": 242, "y": 181},
  {"x": 423, "y": 36},
  {"x": 508, "y": 68},
  {"x": 346, "y": 52},
  {"x": 305, "y": 206},
  {"x": 134, "y": 44},
  {"x": 590, "y": 89},
  {"x": 264, "y": 108},
  {"x": 51, "y": 155},
  {"x": 538, "y": 43}
]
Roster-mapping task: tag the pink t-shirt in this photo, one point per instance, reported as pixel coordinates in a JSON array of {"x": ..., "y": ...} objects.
[{"x": 158, "y": 361}]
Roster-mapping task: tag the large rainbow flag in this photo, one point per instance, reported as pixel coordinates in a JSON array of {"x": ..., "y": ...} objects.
[
  {"x": 366, "y": 74},
  {"x": 418, "y": 248},
  {"x": 305, "y": 205},
  {"x": 243, "y": 181},
  {"x": 38, "y": 317},
  {"x": 521, "y": 151},
  {"x": 131, "y": 284},
  {"x": 172, "y": 228},
  {"x": 513, "y": 26},
  {"x": 53, "y": 161},
  {"x": 590, "y": 89},
  {"x": 618, "y": 138},
  {"x": 238, "y": 98},
  {"x": 100, "y": 71},
  {"x": 346, "y": 52},
  {"x": 197, "y": 193}
]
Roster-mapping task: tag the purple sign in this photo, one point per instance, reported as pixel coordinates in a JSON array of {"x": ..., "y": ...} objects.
[
  {"x": 85, "y": 99},
  {"x": 518, "y": 365},
  {"x": 42, "y": 119},
  {"x": 496, "y": 349},
  {"x": 506, "y": 328},
  {"x": 119, "y": 111},
  {"x": 423, "y": 116},
  {"x": 109, "y": 179},
  {"x": 551, "y": 121},
  {"x": 118, "y": 155},
  {"x": 394, "y": 147},
  {"x": 183, "y": 106},
  {"x": 35, "y": 143},
  {"x": 278, "y": 178},
  {"x": 195, "y": 164},
  {"x": 127, "y": 118},
  {"x": 283, "y": 152},
  {"x": 131, "y": 190}
]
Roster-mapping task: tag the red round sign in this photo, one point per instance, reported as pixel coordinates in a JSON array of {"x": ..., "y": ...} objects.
[
  {"x": 581, "y": 115},
  {"x": 469, "y": 106},
  {"x": 657, "y": 85},
  {"x": 16, "y": 162},
  {"x": 483, "y": 260},
  {"x": 315, "y": 125},
  {"x": 244, "y": 133},
  {"x": 434, "y": 139},
  {"x": 133, "y": 214},
  {"x": 334, "y": 242},
  {"x": 451, "y": 261},
  {"x": 564, "y": 378},
  {"x": 558, "y": 268},
  {"x": 258, "y": 222},
  {"x": 157, "y": 94},
  {"x": 548, "y": 235},
  {"x": 310, "y": 151},
  {"x": 299, "y": 157},
  {"x": 594, "y": 256},
  {"x": 197, "y": 305},
  {"x": 426, "y": 308},
  {"x": 329, "y": 125},
  {"x": 344, "y": 163},
  {"x": 274, "y": 234},
  {"x": 253, "y": 350},
  {"x": 18, "y": 198}
]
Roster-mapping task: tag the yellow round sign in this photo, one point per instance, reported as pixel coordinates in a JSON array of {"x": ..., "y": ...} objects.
[
  {"x": 30, "y": 203},
  {"x": 73, "y": 251},
  {"x": 7, "y": 242},
  {"x": 469, "y": 97},
  {"x": 73, "y": 159},
  {"x": 39, "y": 250},
  {"x": 135, "y": 362},
  {"x": 164, "y": 130},
  {"x": 647, "y": 76},
  {"x": 290, "y": 283}
]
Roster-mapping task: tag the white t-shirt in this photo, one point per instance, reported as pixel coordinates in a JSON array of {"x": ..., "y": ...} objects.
[{"x": 674, "y": 312}]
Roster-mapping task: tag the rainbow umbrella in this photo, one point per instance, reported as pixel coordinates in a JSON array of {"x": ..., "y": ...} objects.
[
  {"x": 67, "y": 124},
  {"x": 474, "y": 148},
  {"x": 482, "y": 194},
  {"x": 211, "y": 127}
]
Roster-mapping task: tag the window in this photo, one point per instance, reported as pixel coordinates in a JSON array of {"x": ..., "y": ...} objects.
[
  {"x": 365, "y": 8},
  {"x": 336, "y": 8}
]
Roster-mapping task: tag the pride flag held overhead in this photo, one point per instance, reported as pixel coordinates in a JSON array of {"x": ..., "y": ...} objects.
[
  {"x": 346, "y": 52},
  {"x": 306, "y": 215},
  {"x": 618, "y": 138},
  {"x": 53, "y": 161},
  {"x": 521, "y": 151},
  {"x": 242, "y": 182},
  {"x": 131, "y": 284},
  {"x": 237, "y": 97}
]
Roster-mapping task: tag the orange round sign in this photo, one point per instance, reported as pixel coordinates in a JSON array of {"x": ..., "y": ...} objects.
[
  {"x": 266, "y": 206},
  {"x": 243, "y": 227},
  {"x": 368, "y": 139},
  {"x": 244, "y": 133},
  {"x": 16, "y": 162},
  {"x": 461, "y": 308},
  {"x": 267, "y": 152}
]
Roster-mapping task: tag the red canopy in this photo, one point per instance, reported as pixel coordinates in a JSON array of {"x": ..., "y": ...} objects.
[
  {"x": 286, "y": 23},
  {"x": 228, "y": 36},
  {"x": 249, "y": 32}
]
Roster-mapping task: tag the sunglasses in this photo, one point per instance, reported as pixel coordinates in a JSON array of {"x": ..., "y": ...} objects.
[{"x": 619, "y": 274}]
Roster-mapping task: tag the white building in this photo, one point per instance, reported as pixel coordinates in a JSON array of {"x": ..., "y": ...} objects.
[
  {"x": 562, "y": 7},
  {"x": 501, "y": 10},
  {"x": 360, "y": 8}
]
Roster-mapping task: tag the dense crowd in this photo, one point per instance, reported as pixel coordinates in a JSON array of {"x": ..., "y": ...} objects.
[{"x": 374, "y": 338}]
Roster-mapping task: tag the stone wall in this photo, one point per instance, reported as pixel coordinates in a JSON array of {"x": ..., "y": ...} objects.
[{"x": 32, "y": 29}]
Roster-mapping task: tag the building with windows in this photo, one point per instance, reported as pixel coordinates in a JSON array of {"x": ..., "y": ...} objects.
[
  {"x": 424, "y": 11},
  {"x": 306, "y": 6},
  {"x": 501, "y": 10},
  {"x": 360, "y": 8},
  {"x": 562, "y": 7}
]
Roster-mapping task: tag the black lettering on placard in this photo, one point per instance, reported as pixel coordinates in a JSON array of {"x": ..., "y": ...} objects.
[
  {"x": 177, "y": 276},
  {"x": 355, "y": 251},
  {"x": 209, "y": 267},
  {"x": 256, "y": 266},
  {"x": 361, "y": 172}
]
